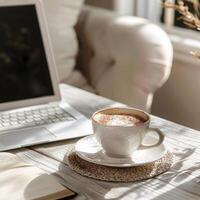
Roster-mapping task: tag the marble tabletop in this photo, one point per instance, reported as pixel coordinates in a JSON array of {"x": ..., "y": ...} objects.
[{"x": 181, "y": 182}]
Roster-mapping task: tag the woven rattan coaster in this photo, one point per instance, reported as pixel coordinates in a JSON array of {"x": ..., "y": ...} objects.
[{"x": 116, "y": 174}]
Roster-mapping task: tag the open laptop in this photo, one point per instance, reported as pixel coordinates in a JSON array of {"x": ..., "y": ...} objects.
[{"x": 31, "y": 110}]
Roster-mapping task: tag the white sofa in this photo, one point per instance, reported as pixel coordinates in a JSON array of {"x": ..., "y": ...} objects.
[{"x": 124, "y": 58}]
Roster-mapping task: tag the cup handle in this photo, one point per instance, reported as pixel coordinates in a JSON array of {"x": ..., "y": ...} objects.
[{"x": 160, "y": 140}]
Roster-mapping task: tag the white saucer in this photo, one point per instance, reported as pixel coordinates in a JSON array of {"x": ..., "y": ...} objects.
[{"x": 90, "y": 150}]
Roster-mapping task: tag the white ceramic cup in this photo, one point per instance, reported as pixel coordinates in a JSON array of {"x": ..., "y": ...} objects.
[{"x": 122, "y": 141}]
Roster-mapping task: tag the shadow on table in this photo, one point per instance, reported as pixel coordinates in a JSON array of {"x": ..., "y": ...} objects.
[{"x": 179, "y": 178}]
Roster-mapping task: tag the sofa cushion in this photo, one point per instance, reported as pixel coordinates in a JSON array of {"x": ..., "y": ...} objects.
[
  {"x": 78, "y": 80},
  {"x": 61, "y": 16}
]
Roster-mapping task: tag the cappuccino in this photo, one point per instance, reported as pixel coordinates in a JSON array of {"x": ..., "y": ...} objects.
[
  {"x": 120, "y": 131},
  {"x": 118, "y": 119}
]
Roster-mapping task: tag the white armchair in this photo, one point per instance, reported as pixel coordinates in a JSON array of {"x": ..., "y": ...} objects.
[{"x": 124, "y": 58}]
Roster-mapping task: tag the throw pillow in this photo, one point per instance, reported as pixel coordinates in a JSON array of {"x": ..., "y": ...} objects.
[{"x": 61, "y": 16}]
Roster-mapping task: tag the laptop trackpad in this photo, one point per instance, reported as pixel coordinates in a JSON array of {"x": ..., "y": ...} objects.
[{"x": 25, "y": 137}]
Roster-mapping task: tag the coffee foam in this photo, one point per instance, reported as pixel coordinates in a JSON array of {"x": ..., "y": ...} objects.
[{"x": 117, "y": 119}]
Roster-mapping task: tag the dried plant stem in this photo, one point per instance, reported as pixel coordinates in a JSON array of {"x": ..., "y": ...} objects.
[
  {"x": 189, "y": 19},
  {"x": 195, "y": 54}
]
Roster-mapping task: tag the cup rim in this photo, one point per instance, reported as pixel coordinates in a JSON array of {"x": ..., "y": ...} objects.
[{"x": 127, "y": 108}]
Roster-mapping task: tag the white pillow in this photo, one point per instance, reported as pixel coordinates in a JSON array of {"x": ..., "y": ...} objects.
[{"x": 61, "y": 16}]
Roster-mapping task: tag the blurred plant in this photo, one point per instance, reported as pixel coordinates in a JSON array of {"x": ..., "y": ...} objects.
[{"x": 189, "y": 18}]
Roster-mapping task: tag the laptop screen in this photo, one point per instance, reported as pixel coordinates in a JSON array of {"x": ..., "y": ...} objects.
[{"x": 24, "y": 72}]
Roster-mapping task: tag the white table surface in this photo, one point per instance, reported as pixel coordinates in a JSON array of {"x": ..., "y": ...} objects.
[{"x": 181, "y": 182}]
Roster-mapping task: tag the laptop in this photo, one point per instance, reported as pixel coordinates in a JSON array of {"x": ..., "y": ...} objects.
[{"x": 31, "y": 109}]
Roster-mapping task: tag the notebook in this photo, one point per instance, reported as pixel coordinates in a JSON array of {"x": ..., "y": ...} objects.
[{"x": 20, "y": 180}]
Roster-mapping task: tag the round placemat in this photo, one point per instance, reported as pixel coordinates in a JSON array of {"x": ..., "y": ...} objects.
[{"x": 117, "y": 174}]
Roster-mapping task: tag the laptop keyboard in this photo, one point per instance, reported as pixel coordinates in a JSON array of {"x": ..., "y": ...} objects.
[{"x": 33, "y": 117}]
